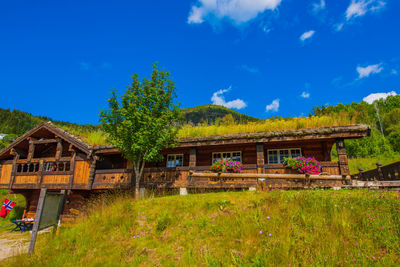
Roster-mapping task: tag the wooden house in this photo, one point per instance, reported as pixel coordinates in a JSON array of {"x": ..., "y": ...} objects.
[{"x": 50, "y": 157}]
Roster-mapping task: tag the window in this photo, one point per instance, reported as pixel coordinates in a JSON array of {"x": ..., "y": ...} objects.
[
  {"x": 235, "y": 156},
  {"x": 174, "y": 160},
  {"x": 277, "y": 155}
]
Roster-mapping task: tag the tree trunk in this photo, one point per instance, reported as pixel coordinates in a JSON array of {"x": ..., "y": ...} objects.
[{"x": 138, "y": 167}]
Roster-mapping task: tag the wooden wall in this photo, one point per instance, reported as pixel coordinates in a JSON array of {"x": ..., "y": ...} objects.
[
  {"x": 81, "y": 172},
  {"x": 204, "y": 154},
  {"x": 5, "y": 173}
]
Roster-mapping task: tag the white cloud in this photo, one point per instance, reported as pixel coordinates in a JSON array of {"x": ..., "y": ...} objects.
[
  {"x": 364, "y": 72},
  {"x": 358, "y": 8},
  {"x": 249, "y": 68},
  {"x": 218, "y": 99},
  {"x": 305, "y": 94},
  {"x": 318, "y": 6},
  {"x": 306, "y": 35},
  {"x": 394, "y": 72},
  {"x": 372, "y": 97},
  {"x": 274, "y": 106},
  {"x": 239, "y": 11}
]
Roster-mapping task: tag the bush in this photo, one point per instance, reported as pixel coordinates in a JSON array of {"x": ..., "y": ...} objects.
[
  {"x": 226, "y": 166},
  {"x": 303, "y": 165}
]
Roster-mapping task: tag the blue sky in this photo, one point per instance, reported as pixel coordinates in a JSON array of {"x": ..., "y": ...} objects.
[{"x": 261, "y": 57}]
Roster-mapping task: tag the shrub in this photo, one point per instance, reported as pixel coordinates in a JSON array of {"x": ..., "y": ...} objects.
[
  {"x": 303, "y": 165},
  {"x": 226, "y": 166}
]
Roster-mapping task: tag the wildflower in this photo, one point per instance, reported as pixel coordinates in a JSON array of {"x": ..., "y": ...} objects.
[
  {"x": 268, "y": 217},
  {"x": 373, "y": 257},
  {"x": 269, "y": 234},
  {"x": 261, "y": 232}
]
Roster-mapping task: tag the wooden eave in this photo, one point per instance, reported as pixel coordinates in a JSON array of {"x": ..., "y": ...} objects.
[
  {"x": 81, "y": 145},
  {"x": 325, "y": 133}
]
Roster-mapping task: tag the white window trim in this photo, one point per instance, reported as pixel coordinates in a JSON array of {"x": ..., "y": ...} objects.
[
  {"x": 278, "y": 153},
  {"x": 174, "y": 155},
  {"x": 212, "y": 156}
]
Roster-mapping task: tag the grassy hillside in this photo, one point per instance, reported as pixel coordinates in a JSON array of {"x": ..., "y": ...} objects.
[{"x": 278, "y": 228}]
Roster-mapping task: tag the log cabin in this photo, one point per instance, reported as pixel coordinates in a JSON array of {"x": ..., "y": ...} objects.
[{"x": 50, "y": 157}]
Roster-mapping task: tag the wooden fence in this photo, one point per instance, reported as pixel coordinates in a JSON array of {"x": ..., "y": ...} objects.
[{"x": 389, "y": 172}]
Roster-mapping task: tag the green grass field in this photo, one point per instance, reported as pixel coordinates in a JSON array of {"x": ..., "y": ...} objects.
[
  {"x": 278, "y": 228},
  {"x": 370, "y": 163}
]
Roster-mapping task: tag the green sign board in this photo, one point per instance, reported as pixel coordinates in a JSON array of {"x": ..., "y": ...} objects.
[{"x": 48, "y": 213}]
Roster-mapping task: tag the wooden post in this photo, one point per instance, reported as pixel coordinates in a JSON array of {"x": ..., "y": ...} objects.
[
  {"x": 14, "y": 168},
  {"x": 260, "y": 157},
  {"x": 379, "y": 169},
  {"x": 342, "y": 155},
  {"x": 31, "y": 151},
  {"x": 59, "y": 149},
  {"x": 92, "y": 171},
  {"x": 192, "y": 159},
  {"x": 40, "y": 173},
  {"x": 38, "y": 216},
  {"x": 72, "y": 168}
]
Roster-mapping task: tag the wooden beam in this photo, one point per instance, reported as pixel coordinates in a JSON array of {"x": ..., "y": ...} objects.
[
  {"x": 17, "y": 151},
  {"x": 72, "y": 168},
  {"x": 45, "y": 141},
  {"x": 92, "y": 172},
  {"x": 59, "y": 149},
  {"x": 260, "y": 157},
  {"x": 13, "y": 170},
  {"x": 31, "y": 150},
  {"x": 40, "y": 173}
]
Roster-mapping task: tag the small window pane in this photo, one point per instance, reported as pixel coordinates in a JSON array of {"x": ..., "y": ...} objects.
[
  {"x": 272, "y": 156},
  {"x": 226, "y": 155},
  {"x": 295, "y": 153},
  {"x": 236, "y": 156},
  {"x": 171, "y": 161},
  {"x": 283, "y": 154},
  {"x": 216, "y": 156},
  {"x": 179, "y": 161}
]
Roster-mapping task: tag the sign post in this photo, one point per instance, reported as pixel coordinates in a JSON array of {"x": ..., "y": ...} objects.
[{"x": 48, "y": 213}]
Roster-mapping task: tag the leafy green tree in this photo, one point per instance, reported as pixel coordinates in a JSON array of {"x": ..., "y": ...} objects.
[{"x": 144, "y": 121}]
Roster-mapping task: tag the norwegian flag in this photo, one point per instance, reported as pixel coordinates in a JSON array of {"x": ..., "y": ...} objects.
[{"x": 8, "y": 205}]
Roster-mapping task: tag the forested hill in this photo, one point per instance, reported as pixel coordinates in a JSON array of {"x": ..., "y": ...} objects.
[
  {"x": 18, "y": 122},
  {"x": 212, "y": 113}
]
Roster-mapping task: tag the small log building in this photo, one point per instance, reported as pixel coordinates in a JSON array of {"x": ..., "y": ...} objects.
[{"x": 50, "y": 157}]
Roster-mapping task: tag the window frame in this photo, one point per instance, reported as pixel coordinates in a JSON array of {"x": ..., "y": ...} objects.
[
  {"x": 278, "y": 153},
  {"x": 174, "y": 155},
  {"x": 231, "y": 152}
]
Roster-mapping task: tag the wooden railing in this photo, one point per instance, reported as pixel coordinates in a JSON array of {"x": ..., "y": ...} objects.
[
  {"x": 248, "y": 180},
  {"x": 389, "y": 172}
]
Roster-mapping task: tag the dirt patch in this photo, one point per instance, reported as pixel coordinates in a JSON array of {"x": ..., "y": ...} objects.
[{"x": 12, "y": 244}]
